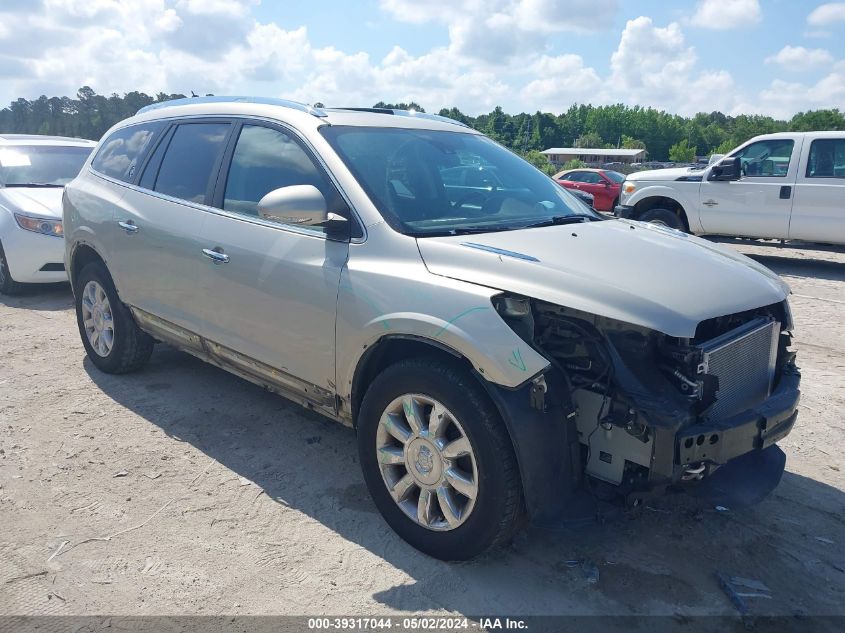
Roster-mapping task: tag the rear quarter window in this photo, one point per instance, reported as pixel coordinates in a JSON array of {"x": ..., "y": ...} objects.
[{"x": 121, "y": 153}]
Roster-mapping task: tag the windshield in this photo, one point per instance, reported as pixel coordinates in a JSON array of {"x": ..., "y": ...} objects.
[
  {"x": 44, "y": 165},
  {"x": 615, "y": 176},
  {"x": 427, "y": 182}
]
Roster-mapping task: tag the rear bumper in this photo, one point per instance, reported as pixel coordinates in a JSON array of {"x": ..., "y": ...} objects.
[
  {"x": 29, "y": 253},
  {"x": 623, "y": 211}
]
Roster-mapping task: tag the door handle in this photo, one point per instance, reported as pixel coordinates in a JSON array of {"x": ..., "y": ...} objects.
[
  {"x": 217, "y": 256},
  {"x": 129, "y": 226},
  {"x": 710, "y": 203},
  {"x": 785, "y": 192}
]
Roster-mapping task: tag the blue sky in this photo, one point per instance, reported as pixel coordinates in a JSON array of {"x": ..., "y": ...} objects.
[{"x": 756, "y": 56}]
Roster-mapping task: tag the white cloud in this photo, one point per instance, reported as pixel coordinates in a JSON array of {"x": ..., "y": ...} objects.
[
  {"x": 800, "y": 58},
  {"x": 823, "y": 15},
  {"x": 726, "y": 14},
  {"x": 502, "y": 31},
  {"x": 654, "y": 66},
  {"x": 561, "y": 81},
  {"x": 783, "y": 99}
]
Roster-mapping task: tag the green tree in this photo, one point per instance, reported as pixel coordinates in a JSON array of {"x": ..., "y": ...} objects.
[
  {"x": 539, "y": 160},
  {"x": 574, "y": 164},
  {"x": 413, "y": 105},
  {"x": 682, "y": 152},
  {"x": 589, "y": 139},
  {"x": 629, "y": 142}
]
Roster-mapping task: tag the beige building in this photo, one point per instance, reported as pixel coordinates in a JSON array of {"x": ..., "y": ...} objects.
[{"x": 593, "y": 155}]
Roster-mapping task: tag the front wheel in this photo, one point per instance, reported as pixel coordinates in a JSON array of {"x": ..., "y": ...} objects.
[
  {"x": 8, "y": 286},
  {"x": 664, "y": 217},
  {"x": 438, "y": 461},
  {"x": 112, "y": 339}
]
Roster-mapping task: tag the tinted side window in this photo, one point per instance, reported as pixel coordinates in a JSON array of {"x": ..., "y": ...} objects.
[
  {"x": 575, "y": 176},
  {"x": 827, "y": 159},
  {"x": 591, "y": 177},
  {"x": 266, "y": 159},
  {"x": 189, "y": 160},
  {"x": 121, "y": 153}
]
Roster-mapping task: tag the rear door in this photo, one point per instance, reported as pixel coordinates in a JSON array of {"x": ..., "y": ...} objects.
[
  {"x": 760, "y": 203},
  {"x": 819, "y": 211},
  {"x": 271, "y": 293},
  {"x": 159, "y": 253}
]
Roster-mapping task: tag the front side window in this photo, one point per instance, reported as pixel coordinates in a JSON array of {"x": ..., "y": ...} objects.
[
  {"x": 120, "y": 155},
  {"x": 190, "y": 158},
  {"x": 266, "y": 159},
  {"x": 615, "y": 177},
  {"x": 40, "y": 165},
  {"x": 591, "y": 178},
  {"x": 401, "y": 170},
  {"x": 766, "y": 158},
  {"x": 827, "y": 158}
]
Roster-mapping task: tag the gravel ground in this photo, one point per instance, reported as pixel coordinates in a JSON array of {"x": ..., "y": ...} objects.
[{"x": 185, "y": 490}]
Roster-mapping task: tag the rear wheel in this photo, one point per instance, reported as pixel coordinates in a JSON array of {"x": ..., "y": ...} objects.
[
  {"x": 112, "y": 340},
  {"x": 8, "y": 286},
  {"x": 438, "y": 461},
  {"x": 663, "y": 217}
]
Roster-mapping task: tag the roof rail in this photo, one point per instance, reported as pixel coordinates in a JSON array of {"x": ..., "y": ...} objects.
[
  {"x": 284, "y": 103},
  {"x": 409, "y": 113}
]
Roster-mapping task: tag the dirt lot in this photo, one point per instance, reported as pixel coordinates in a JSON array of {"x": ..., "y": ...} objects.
[{"x": 185, "y": 490}]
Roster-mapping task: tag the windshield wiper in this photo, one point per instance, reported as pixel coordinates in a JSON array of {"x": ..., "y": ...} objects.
[
  {"x": 32, "y": 184},
  {"x": 464, "y": 230},
  {"x": 560, "y": 220}
]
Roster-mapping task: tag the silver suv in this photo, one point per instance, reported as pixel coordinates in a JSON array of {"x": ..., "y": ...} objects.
[{"x": 501, "y": 350}]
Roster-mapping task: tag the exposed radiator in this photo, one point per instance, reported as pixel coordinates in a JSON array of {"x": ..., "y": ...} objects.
[{"x": 744, "y": 362}]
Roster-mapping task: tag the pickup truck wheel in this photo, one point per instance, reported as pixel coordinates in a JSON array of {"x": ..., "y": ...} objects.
[
  {"x": 8, "y": 286},
  {"x": 112, "y": 340},
  {"x": 663, "y": 217},
  {"x": 438, "y": 461}
]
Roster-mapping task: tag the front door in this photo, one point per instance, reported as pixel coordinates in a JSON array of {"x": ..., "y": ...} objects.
[
  {"x": 760, "y": 202},
  {"x": 270, "y": 289}
]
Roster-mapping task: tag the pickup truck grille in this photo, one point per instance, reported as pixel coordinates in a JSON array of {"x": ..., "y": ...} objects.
[{"x": 743, "y": 360}]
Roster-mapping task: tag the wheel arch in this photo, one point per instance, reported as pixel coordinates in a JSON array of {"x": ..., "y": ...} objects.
[
  {"x": 390, "y": 349},
  {"x": 82, "y": 255},
  {"x": 662, "y": 202}
]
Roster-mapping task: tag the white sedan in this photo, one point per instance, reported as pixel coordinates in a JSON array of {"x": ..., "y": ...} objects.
[{"x": 33, "y": 173}]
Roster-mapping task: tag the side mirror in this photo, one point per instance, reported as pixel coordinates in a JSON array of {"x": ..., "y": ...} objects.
[
  {"x": 300, "y": 205},
  {"x": 727, "y": 169}
]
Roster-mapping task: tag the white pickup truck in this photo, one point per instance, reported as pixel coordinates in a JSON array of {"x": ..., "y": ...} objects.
[{"x": 787, "y": 186}]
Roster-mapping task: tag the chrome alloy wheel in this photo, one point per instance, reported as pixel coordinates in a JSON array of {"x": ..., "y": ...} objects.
[
  {"x": 427, "y": 462},
  {"x": 97, "y": 318}
]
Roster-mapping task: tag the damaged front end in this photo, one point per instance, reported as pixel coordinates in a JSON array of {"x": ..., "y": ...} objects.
[{"x": 653, "y": 412}]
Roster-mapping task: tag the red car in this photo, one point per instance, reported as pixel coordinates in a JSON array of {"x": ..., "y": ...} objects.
[{"x": 603, "y": 184}]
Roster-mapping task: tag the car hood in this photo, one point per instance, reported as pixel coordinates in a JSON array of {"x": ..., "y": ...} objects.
[
  {"x": 672, "y": 173},
  {"x": 634, "y": 272},
  {"x": 41, "y": 201}
]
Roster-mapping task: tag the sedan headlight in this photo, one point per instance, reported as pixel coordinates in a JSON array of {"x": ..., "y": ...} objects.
[{"x": 44, "y": 226}]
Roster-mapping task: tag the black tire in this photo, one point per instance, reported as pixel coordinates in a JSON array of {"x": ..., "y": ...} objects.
[
  {"x": 498, "y": 505},
  {"x": 664, "y": 217},
  {"x": 131, "y": 347},
  {"x": 8, "y": 286}
]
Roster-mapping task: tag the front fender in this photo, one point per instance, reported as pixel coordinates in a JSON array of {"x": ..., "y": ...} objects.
[
  {"x": 453, "y": 314},
  {"x": 684, "y": 193}
]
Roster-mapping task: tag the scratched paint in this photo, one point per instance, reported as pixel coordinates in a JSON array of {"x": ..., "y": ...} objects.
[
  {"x": 459, "y": 316},
  {"x": 516, "y": 360},
  {"x": 363, "y": 297}
]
